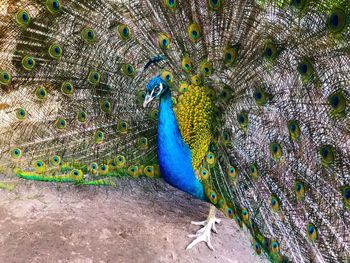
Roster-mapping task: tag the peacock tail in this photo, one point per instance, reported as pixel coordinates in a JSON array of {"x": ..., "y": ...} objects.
[{"x": 260, "y": 90}]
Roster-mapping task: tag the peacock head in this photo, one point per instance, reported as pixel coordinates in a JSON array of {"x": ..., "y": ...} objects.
[{"x": 154, "y": 89}]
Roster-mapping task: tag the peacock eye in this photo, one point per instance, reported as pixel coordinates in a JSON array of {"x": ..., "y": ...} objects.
[{"x": 157, "y": 89}]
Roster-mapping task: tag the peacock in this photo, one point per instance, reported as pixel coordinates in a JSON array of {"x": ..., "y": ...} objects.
[{"x": 240, "y": 103}]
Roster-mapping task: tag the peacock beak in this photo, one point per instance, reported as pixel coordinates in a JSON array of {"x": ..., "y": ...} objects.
[{"x": 147, "y": 100}]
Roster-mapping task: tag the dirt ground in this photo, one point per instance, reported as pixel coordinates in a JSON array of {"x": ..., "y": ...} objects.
[{"x": 138, "y": 221}]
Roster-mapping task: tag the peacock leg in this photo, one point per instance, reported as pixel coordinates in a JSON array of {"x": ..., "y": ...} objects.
[{"x": 204, "y": 233}]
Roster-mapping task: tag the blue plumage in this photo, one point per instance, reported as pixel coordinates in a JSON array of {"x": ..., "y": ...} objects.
[
  {"x": 174, "y": 155},
  {"x": 155, "y": 82}
]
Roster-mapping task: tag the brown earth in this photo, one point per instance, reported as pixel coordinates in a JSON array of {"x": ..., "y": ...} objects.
[{"x": 139, "y": 221}]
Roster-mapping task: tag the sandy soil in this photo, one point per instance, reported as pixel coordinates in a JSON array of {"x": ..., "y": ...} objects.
[{"x": 138, "y": 221}]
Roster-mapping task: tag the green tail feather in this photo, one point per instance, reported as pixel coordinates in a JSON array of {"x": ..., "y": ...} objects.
[{"x": 72, "y": 84}]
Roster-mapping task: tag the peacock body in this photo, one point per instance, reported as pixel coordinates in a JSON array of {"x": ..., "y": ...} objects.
[
  {"x": 252, "y": 114},
  {"x": 175, "y": 158}
]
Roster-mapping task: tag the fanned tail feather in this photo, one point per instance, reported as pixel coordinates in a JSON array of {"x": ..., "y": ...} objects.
[{"x": 73, "y": 75}]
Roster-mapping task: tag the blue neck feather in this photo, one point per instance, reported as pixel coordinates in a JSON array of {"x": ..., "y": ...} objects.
[{"x": 174, "y": 155}]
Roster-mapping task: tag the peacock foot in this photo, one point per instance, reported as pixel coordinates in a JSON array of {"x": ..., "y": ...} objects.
[{"x": 203, "y": 234}]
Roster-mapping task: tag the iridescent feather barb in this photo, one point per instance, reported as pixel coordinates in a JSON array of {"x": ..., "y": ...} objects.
[{"x": 254, "y": 97}]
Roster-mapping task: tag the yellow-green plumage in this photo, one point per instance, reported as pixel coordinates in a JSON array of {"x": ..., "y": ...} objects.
[{"x": 194, "y": 113}]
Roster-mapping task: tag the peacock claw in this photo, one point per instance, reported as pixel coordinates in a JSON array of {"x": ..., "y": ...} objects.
[{"x": 203, "y": 234}]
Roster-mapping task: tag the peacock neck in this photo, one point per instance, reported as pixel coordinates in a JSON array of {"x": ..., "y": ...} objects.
[
  {"x": 165, "y": 102},
  {"x": 174, "y": 155}
]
